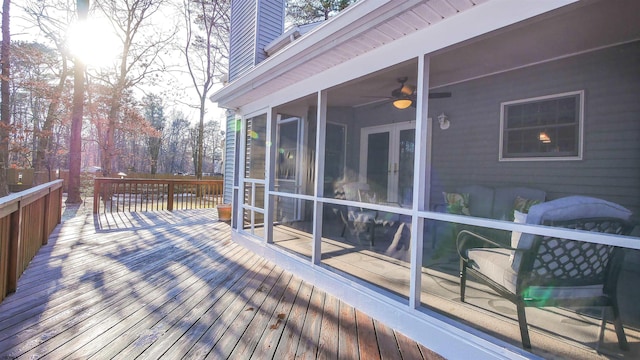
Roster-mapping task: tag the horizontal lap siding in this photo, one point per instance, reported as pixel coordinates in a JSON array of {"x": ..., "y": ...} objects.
[
  {"x": 270, "y": 25},
  {"x": 229, "y": 157},
  {"x": 467, "y": 153},
  {"x": 242, "y": 37}
]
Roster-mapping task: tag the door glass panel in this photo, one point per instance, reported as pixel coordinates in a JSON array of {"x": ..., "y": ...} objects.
[
  {"x": 287, "y": 156},
  {"x": 334, "y": 157},
  {"x": 288, "y": 168},
  {"x": 405, "y": 166},
  {"x": 378, "y": 164}
]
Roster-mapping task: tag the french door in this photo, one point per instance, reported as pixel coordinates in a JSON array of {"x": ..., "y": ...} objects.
[
  {"x": 387, "y": 161},
  {"x": 289, "y": 167}
]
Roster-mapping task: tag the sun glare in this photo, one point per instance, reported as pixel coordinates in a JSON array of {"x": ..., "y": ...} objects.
[{"x": 93, "y": 42}]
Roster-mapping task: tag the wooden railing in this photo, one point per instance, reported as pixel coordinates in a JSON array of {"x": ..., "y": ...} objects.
[
  {"x": 27, "y": 218},
  {"x": 133, "y": 195}
]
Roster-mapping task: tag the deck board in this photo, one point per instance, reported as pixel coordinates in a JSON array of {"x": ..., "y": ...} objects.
[{"x": 173, "y": 285}]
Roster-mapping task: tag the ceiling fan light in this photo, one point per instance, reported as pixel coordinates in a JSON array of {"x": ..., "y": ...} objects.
[{"x": 402, "y": 103}]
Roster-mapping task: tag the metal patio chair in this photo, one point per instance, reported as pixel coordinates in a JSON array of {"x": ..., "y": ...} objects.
[{"x": 546, "y": 271}]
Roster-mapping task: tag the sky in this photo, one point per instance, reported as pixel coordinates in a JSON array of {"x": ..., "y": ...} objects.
[{"x": 96, "y": 48}]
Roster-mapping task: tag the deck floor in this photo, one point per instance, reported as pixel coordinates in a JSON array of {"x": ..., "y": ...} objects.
[{"x": 174, "y": 285}]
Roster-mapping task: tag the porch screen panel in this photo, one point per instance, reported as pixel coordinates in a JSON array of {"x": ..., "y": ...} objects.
[{"x": 255, "y": 149}]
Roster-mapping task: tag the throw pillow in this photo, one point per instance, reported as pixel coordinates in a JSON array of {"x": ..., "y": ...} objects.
[
  {"x": 457, "y": 203},
  {"x": 522, "y": 205},
  {"x": 518, "y": 218}
]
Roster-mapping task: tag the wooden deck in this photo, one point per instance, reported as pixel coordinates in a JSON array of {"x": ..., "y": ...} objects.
[{"x": 173, "y": 285}]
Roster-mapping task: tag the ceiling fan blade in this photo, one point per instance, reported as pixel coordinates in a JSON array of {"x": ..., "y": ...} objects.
[{"x": 439, "y": 95}]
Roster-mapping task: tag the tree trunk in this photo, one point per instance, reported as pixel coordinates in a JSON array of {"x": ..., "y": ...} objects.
[
  {"x": 5, "y": 111},
  {"x": 43, "y": 151},
  {"x": 200, "y": 139},
  {"x": 110, "y": 146},
  {"x": 75, "y": 143}
]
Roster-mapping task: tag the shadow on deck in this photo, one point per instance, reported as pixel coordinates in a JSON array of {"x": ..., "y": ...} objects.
[{"x": 174, "y": 285}]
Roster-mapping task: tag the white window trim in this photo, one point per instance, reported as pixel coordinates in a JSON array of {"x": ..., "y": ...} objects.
[{"x": 540, "y": 98}]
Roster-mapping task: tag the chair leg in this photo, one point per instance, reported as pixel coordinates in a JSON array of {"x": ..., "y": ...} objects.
[
  {"x": 617, "y": 321},
  {"x": 524, "y": 331},
  {"x": 463, "y": 278},
  {"x": 372, "y": 230}
]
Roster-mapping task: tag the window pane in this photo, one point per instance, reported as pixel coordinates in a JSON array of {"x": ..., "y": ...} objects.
[
  {"x": 378, "y": 164},
  {"x": 543, "y": 128}
]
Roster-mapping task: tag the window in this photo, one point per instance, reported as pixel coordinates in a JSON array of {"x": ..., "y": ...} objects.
[{"x": 544, "y": 128}]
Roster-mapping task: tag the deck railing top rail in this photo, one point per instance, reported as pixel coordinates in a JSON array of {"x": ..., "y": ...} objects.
[
  {"x": 137, "y": 194},
  {"x": 11, "y": 202},
  {"x": 27, "y": 218}
]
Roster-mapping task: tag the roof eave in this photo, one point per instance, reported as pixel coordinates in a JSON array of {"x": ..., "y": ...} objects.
[{"x": 346, "y": 21}]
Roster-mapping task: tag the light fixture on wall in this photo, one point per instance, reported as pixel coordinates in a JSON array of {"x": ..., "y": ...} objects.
[
  {"x": 544, "y": 138},
  {"x": 402, "y": 102},
  {"x": 444, "y": 121}
]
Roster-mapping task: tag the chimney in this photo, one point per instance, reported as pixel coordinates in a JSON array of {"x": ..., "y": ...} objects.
[{"x": 254, "y": 24}]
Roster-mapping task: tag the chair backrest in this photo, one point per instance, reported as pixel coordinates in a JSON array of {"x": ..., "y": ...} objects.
[
  {"x": 570, "y": 211},
  {"x": 560, "y": 262},
  {"x": 351, "y": 190}
]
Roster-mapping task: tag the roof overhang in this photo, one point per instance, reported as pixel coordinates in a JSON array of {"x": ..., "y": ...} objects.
[{"x": 374, "y": 34}]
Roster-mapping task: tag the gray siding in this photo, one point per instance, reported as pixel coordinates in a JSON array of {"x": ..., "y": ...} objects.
[
  {"x": 467, "y": 153},
  {"x": 270, "y": 24},
  {"x": 242, "y": 37},
  {"x": 254, "y": 24},
  {"x": 229, "y": 157}
]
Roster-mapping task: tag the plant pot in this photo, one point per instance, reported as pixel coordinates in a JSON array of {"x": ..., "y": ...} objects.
[{"x": 224, "y": 212}]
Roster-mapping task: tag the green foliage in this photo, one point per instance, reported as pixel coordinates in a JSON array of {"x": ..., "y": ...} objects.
[{"x": 301, "y": 12}]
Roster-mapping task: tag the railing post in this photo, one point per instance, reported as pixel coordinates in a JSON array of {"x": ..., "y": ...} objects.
[
  {"x": 96, "y": 195},
  {"x": 47, "y": 216},
  {"x": 170, "y": 196},
  {"x": 15, "y": 239},
  {"x": 59, "y": 207}
]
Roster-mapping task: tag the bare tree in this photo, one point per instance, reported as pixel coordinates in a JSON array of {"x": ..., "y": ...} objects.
[
  {"x": 5, "y": 111},
  {"x": 154, "y": 113},
  {"x": 140, "y": 57},
  {"x": 52, "y": 19},
  {"x": 206, "y": 52},
  {"x": 77, "y": 108}
]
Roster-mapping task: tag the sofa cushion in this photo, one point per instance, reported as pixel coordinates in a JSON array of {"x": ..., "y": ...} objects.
[
  {"x": 505, "y": 197},
  {"x": 480, "y": 200}
]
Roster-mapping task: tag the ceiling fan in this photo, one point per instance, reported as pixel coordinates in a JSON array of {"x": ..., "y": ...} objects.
[{"x": 405, "y": 95}]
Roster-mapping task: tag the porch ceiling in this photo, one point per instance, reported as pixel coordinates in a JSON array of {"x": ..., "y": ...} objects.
[{"x": 569, "y": 30}]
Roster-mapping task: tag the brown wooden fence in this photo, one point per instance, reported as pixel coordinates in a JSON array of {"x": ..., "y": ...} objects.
[
  {"x": 27, "y": 218},
  {"x": 133, "y": 195}
]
